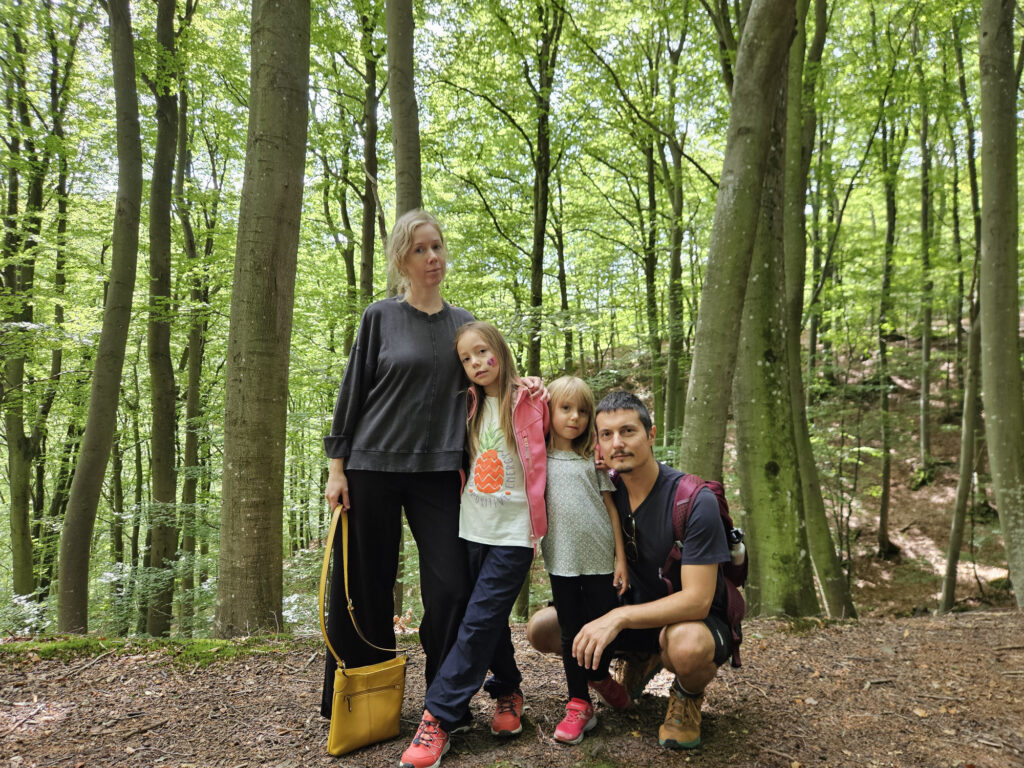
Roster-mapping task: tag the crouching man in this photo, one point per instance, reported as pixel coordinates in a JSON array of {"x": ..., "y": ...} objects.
[{"x": 683, "y": 628}]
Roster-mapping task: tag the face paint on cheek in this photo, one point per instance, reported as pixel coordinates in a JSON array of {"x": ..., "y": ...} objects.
[{"x": 491, "y": 362}]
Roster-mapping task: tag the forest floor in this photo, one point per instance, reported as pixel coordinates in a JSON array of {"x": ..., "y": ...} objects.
[{"x": 898, "y": 687}]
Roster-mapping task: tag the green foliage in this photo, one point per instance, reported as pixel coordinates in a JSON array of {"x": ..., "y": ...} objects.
[{"x": 615, "y": 94}]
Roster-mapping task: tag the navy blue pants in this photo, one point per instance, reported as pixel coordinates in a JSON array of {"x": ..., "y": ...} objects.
[
  {"x": 431, "y": 503},
  {"x": 484, "y": 641}
]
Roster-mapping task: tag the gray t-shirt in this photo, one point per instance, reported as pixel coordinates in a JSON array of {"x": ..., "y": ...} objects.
[
  {"x": 579, "y": 541},
  {"x": 402, "y": 402}
]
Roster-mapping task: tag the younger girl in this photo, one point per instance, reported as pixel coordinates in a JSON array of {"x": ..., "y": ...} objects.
[
  {"x": 501, "y": 520},
  {"x": 583, "y": 550}
]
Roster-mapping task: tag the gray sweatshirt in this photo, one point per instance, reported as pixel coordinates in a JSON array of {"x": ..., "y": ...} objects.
[{"x": 402, "y": 405}]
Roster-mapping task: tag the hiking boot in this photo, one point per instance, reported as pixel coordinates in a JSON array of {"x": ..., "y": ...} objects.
[
  {"x": 610, "y": 692},
  {"x": 635, "y": 671},
  {"x": 681, "y": 729},
  {"x": 428, "y": 745},
  {"x": 508, "y": 713},
  {"x": 579, "y": 718}
]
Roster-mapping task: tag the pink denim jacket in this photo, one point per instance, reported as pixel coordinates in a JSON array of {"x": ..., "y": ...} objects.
[{"x": 530, "y": 417}]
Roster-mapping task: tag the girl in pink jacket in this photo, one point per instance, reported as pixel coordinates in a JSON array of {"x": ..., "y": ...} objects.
[{"x": 502, "y": 520}]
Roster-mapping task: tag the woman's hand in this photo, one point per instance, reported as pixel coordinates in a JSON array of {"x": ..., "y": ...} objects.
[
  {"x": 337, "y": 485},
  {"x": 535, "y": 388}
]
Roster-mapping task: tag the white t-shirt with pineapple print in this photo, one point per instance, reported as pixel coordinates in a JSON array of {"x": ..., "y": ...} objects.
[{"x": 494, "y": 506}]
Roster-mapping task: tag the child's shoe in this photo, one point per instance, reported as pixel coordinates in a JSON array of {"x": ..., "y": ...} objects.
[
  {"x": 611, "y": 692},
  {"x": 579, "y": 718},
  {"x": 508, "y": 713},
  {"x": 428, "y": 745}
]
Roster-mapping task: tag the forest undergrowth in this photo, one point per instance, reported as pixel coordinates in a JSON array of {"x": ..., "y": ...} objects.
[{"x": 899, "y": 686}]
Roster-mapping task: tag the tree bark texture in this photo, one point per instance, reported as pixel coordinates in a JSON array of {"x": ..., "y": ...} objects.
[
  {"x": 405, "y": 118},
  {"x": 259, "y": 335},
  {"x": 759, "y": 65},
  {"x": 162, "y": 510},
  {"x": 965, "y": 481},
  {"x": 1000, "y": 304},
  {"x": 76, "y": 537},
  {"x": 800, "y": 129},
  {"x": 781, "y": 580}
]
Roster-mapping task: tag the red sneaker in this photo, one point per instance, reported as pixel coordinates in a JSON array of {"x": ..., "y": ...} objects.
[
  {"x": 579, "y": 718},
  {"x": 428, "y": 745},
  {"x": 611, "y": 692},
  {"x": 508, "y": 715}
]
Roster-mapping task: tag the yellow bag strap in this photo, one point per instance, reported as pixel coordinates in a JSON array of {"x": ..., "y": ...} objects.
[{"x": 340, "y": 514}]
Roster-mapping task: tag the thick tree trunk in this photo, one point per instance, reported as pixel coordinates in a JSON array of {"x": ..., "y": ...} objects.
[
  {"x": 256, "y": 378},
  {"x": 1000, "y": 305},
  {"x": 759, "y": 65},
  {"x": 405, "y": 119},
  {"x": 781, "y": 580},
  {"x": 163, "y": 511},
  {"x": 76, "y": 538}
]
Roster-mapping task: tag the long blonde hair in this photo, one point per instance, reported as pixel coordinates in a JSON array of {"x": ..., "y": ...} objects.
[
  {"x": 507, "y": 379},
  {"x": 575, "y": 391},
  {"x": 400, "y": 241}
]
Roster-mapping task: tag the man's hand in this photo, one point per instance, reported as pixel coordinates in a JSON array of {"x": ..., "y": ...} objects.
[
  {"x": 595, "y": 637},
  {"x": 336, "y": 491}
]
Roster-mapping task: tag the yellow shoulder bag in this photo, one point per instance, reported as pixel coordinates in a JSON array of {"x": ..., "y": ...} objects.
[{"x": 367, "y": 701}]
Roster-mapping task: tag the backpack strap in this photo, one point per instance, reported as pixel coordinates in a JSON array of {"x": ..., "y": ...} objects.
[{"x": 687, "y": 488}]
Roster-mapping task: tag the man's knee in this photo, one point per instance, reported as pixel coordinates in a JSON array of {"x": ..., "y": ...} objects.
[
  {"x": 688, "y": 648},
  {"x": 543, "y": 632}
]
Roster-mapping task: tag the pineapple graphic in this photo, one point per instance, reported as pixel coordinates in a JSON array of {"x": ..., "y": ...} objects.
[{"x": 489, "y": 470}]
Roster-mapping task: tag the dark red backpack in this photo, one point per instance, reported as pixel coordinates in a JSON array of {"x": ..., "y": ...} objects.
[{"x": 735, "y": 574}]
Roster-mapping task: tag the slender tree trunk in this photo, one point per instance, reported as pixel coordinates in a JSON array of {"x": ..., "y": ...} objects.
[
  {"x": 259, "y": 336},
  {"x": 1000, "y": 305},
  {"x": 800, "y": 132},
  {"x": 193, "y": 403},
  {"x": 405, "y": 119},
  {"x": 163, "y": 513},
  {"x": 759, "y": 65},
  {"x": 924, "y": 427},
  {"x": 965, "y": 480},
  {"x": 369, "y": 195},
  {"x": 550, "y": 17},
  {"x": 891, "y": 152},
  {"x": 76, "y": 538}
]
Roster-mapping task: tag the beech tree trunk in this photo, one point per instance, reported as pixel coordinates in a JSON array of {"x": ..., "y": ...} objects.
[
  {"x": 759, "y": 65},
  {"x": 405, "y": 116},
  {"x": 781, "y": 578},
  {"x": 259, "y": 334},
  {"x": 163, "y": 510},
  {"x": 965, "y": 480},
  {"x": 801, "y": 119},
  {"x": 76, "y": 537},
  {"x": 1000, "y": 304}
]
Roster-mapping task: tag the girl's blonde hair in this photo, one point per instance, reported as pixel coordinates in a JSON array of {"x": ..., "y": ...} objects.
[
  {"x": 400, "y": 242},
  {"x": 575, "y": 391},
  {"x": 507, "y": 379}
]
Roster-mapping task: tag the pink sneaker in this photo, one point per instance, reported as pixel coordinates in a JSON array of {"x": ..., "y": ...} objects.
[
  {"x": 579, "y": 718},
  {"x": 428, "y": 745},
  {"x": 611, "y": 692},
  {"x": 508, "y": 715}
]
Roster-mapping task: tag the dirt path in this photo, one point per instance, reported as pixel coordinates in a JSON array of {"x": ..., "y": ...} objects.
[{"x": 915, "y": 692}]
